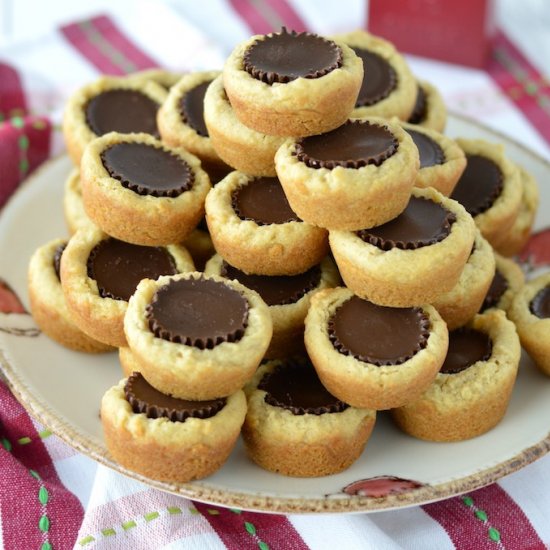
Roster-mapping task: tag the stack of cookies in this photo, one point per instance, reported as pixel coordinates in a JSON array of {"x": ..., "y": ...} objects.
[{"x": 345, "y": 252}]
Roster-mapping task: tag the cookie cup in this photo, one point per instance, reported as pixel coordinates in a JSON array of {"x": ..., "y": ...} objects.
[
  {"x": 48, "y": 306},
  {"x": 301, "y": 107},
  {"x": 469, "y": 403},
  {"x": 186, "y": 371},
  {"x": 275, "y": 249},
  {"x": 288, "y": 319},
  {"x": 160, "y": 449},
  {"x": 435, "y": 113},
  {"x": 350, "y": 198},
  {"x": 73, "y": 206},
  {"x": 101, "y": 318},
  {"x": 515, "y": 279},
  {"x": 363, "y": 384},
  {"x": 140, "y": 219},
  {"x": 238, "y": 145},
  {"x": 464, "y": 300},
  {"x": 306, "y": 445},
  {"x": 400, "y": 101},
  {"x": 533, "y": 331},
  {"x": 404, "y": 278},
  {"x": 76, "y": 132}
]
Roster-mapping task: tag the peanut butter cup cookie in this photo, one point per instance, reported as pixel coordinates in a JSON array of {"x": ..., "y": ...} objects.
[
  {"x": 197, "y": 337},
  {"x": 530, "y": 311},
  {"x": 429, "y": 109},
  {"x": 48, "y": 306},
  {"x": 165, "y": 438},
  {"x": 373, "y": 356},
  {"x": 490, "y": 188},
  {"x": 255, "y": 230},
  {"x": 389, "y": 87},
  {"x": 356, "y": 176},
  {"x": 238, "y": 145},
  {"x": 295, "y": 427},
  {"x": 292, "y": 84},
  {"x": 288, "y": 298},
  {"x": 110, "y": 105},
  {"x": 156, "y": 191},
  {"x": 471, "y": 392},
  {"x": 100, "y": 273},
  {"x": 411, "y": 260}
]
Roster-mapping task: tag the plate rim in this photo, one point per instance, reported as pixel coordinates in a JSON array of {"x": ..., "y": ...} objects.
[{"x": 75, "y": 438}]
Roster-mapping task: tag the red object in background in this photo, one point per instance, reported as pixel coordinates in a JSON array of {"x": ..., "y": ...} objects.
[{"x": 456, "y": 31}]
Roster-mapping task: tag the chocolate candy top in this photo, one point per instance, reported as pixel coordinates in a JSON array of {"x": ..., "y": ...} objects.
[
  {"x": 276, "y": 290},
  {"x": 123, "y": 111},
  {"x": 198, "y": 312},
  {"x": 479, "y": 186},
  {"x": 192, "y": 108},
  {"x": 466, "y": 347},
  {"x": 148, "y": 170},
  {"x": 377, "y": 334},
  {"x": 422, "y": 223},
  {"x": 285, "y": 56},
  {"x": 540, "y": 304},
  {"x": 118, "y": 267},
  {"x": 499, "y": 286},
  {"x": 57, "y": 258},
  {"x": 420, "y": 107},
  {"x": 352, "y": 145},
  {"x": 379, "y": 78},
  {"x": 263, "y": 201},
  {"x": 430, "y": 152},
  {"x": 295, "y": 386},
  {"x": 143, "y": 398}
]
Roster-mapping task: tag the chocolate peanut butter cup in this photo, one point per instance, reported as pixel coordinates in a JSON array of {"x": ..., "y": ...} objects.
[
  {"x": 285, "y": 56},
  {"x": 540, "y": 304},
  {"x": 198, "y": 312},
  {"x": 429, "y": 151},
  {"x": 276, "y": 290},
  {"x": 420, "y": 107},
  {"x": 479, "y": 186},
  {"x": 143, "y": 398},
  {"x": 147, "y": 170},
  {"x": 379, "y": 80},
  {"x": 123, "y": 111},
  {"x": 192, "y": 108},
  {"x": 118, "y": 267},
  {"x": 353, "y": 145},
  {"x": 466, "y": 347},
  {"x": 295, "y": 386},
  {"x": 499, "y": 285},
  {"x": 57, "y": 258},
  {"x": 263, "y": 201},
  {"x": 376, "y": 334},
  {"x": 423, "y": 223}
]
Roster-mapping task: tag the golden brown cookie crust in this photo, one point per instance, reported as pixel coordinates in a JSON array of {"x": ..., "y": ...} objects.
[
  {"x": 504, "y": 210},
  {"x": 302, "y": 107},
  {"x": 442, "y": 177},
  {"x": 170, "y": 451},
  {"x": 140, "y": 219},
  {"x": 469, "y": 403},
  {"x": 363, "y": 384},
  {"x": 48, "y": 306},
  {"x": 350, "y": 198},
  {"x": 76, "y": 131},
  {"x": 128, "y": 362},
  {"x": 188, "y": 372},
  {"x": 464, "y": 300},
  {"x": 288, "y": 319},
  {"x": 305, "y": 445},
  {"x": 276, "y": 249},
  {"x": 165, "y": 78},
  {"x": 436, "y": 111},
  {"x": 238, "y": 145},
  {"x": 533, "y": 331},
  {"x": 400, "y": 102},
  {"x": 73, "y": 206},
  {"x": 515, "y": 278},
  {"x": 404, "y": 278},
  {"x": 100, "y": 318},
  {"x": 174, "y": 129}
]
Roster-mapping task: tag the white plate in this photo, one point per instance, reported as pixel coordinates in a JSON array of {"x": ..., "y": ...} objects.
[{"x": 63, "y": 390}]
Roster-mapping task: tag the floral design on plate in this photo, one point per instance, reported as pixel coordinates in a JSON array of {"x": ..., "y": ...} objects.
[
  {"x": 381, "y": 486},
  {"x": 14, "y": 318}
]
